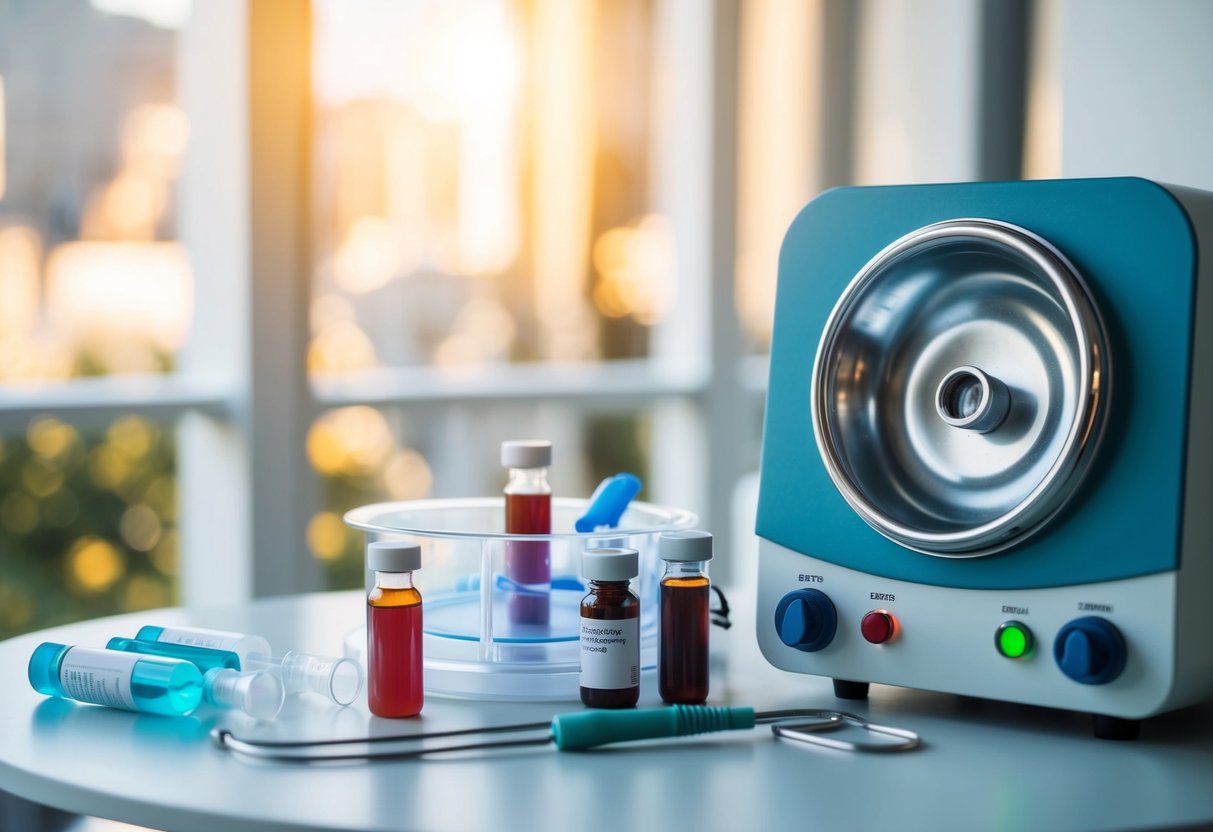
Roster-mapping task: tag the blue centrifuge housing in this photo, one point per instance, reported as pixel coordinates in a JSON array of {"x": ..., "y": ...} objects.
[{"x": 987, "y": 467}]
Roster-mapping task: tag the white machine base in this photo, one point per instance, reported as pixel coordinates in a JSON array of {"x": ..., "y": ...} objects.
[{"x": 945, "y": 638}]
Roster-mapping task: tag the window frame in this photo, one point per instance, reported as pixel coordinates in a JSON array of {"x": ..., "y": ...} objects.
[{"x": 241, "y": 400}]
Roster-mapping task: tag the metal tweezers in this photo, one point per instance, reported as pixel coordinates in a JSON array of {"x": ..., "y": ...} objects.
[{"x": 582, "y": 730}]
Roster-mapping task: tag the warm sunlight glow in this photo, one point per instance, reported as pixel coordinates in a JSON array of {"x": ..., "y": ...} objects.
[
  {"x": 636, "y": 270},
  {"x": 350, "y": 441},
  {"x": 369, "y": 256},
  {"x": 563, "y": 125},
  {"x": 50, "y": 438},
  {"x": 121, "y": 292},
  {"x": 140, "y": 528},
  {"x": 94, "y": 565},
  {"x": 153, "y": 139},
  {"x": 340, "y": 347},
  {"x": 127, "y": 208},
  {"x": 780, "y": 83},
  {"x": 20, "y": 262},
  {"x": 167, "y": 14},
  {"x": 326, "y": 535},
  {"x": 408, "y": 476}
]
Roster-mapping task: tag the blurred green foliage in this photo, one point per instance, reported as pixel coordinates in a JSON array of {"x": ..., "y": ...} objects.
[{"x": 87, "y": 522}]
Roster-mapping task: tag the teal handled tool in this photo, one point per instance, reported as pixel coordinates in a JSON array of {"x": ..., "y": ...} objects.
[{"x": 582, "y": 730}]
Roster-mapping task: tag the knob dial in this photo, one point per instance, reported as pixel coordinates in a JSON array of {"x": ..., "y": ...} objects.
[
  {"x": 806, "y": 620},
  {"x": 1090, "y": 650}
]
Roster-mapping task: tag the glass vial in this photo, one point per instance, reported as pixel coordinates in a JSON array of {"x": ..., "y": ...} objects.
[
  {"x": 528, "y": 510},
  {"x": 610, "y": 629},
  {"x": 151, "y": 684},
  {"x": 683, "y": 623},
  {"x": 246, "y": 647},
  {"x": 393, "y": 630}
]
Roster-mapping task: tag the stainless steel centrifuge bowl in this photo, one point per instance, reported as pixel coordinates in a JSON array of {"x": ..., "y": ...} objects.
[{"x": 960, "y": 387}]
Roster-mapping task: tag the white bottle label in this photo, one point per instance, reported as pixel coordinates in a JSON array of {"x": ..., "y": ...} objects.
[
  {"x": 610, "y": 653},
  {"x": 214, "y": 639},
  {"x": 102, "y": 677}
]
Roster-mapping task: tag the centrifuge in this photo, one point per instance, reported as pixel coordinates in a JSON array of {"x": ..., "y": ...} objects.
[{"x": 987, "y": 467}]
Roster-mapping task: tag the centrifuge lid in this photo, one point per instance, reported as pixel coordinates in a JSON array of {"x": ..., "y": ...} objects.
[{"x": 960, "y": 386}]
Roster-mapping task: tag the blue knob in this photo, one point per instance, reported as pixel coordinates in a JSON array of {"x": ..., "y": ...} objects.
[
  {"x": 1090, "y": 650},
  {"x": 806, "y": 619}
]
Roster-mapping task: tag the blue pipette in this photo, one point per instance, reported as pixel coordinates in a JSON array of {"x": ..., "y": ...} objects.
[{"x": 608, "y": 502}]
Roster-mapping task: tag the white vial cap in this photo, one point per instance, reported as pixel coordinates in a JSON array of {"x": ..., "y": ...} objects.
[
  {"x": 610, "y": 564},
  {"x": 526, "y": 453},
  {"x": 685, "y": 546},
  {"x": 393, "y": 556}
]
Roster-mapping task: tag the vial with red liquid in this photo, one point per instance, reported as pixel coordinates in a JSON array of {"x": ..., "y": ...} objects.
[
  {"x": 683, "y": 621},
  {"x": 393, "y": 630},
  {"x": 528, "y": 510}
]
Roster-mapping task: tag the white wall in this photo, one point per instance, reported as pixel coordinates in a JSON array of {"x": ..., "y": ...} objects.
[{"x": 1137, "y": 89}]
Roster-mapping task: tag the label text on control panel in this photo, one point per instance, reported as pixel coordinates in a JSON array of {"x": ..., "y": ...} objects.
[
  {"x": 1010, "y": 610},
  {"x": 1083, "y": 606},
  {"x": 811, "y": 579},
  {"x": 882, "y": 596}
]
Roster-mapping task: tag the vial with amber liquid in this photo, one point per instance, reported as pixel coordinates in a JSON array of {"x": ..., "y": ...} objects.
[
  {"x": 393, "y": 630},
  {"x": 683, "y": 622},
  {"x": 610, "y": 629}
]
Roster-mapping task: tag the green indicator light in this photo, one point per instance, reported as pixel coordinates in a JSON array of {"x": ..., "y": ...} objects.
[{"x": 1013, "y": 640}]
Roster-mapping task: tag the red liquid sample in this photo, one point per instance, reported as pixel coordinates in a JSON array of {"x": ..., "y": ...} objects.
[
  {"x": 682, "y": 648},
  {"x": 529, "y": 562},
  {"x": 393, "y": 657}
]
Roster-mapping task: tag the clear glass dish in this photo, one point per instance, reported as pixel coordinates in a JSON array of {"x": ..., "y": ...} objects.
[{"x": 476, "y": 644}]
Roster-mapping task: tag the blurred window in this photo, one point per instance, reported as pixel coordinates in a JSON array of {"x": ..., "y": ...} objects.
[
  {"x": 92, "y": 283},
  {"x": 490, "y": 203}
]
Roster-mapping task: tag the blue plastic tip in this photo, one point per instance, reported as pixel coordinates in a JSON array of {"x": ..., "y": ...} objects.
[{"x": 609, "y": 502}]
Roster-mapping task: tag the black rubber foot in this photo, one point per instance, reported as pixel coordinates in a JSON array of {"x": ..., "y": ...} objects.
[
  {"x": 1115, "y": 728},
  {"x": 850, "y": 690}
]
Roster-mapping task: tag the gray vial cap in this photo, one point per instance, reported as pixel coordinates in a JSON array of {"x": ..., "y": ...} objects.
[
  {"x": 393, "y": 556},
  {"x": 526, "y": 453},
  {"x": 610, "y": 564},
  {"x": 690, "y": 545}
]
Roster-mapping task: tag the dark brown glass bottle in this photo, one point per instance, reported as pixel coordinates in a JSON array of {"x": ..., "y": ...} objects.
[{"x": 610, "y": 630}]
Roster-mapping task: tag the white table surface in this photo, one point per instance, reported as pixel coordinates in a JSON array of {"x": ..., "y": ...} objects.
[{"x": 984, "y": 765}]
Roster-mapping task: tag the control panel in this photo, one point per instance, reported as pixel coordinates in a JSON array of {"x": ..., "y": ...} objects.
[{"x": 1082, "y": 647}]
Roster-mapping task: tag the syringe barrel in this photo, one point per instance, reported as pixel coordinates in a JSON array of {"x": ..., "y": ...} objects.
[{"x": 172, "y": 687}]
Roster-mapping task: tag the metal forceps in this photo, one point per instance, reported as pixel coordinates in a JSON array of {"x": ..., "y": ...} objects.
[
  {"x": 579, "y": 731},
  {"x": 808, "y": 732}
]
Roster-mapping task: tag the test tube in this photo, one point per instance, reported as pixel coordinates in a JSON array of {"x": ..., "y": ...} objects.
[
  {"x": 244, "y": 646},
  {"x": 133, "y": 682}
]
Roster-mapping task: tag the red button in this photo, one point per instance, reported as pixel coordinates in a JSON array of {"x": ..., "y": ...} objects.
[{"x": 878, "y": 626}]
